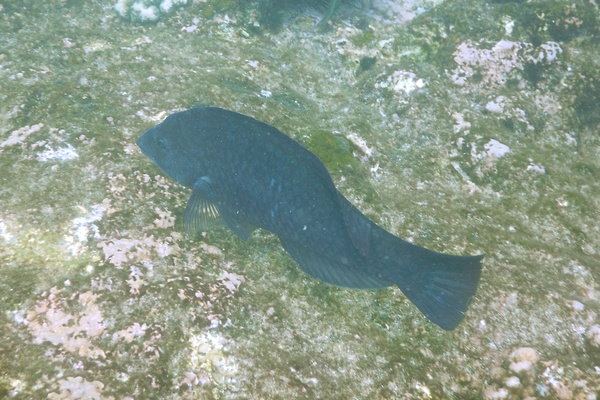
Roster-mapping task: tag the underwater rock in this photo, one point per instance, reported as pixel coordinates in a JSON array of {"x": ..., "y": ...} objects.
[
  {"x": 593, "y": 337},
  {"x": 523, "y": 360},
  {"x": 146, "y": 10}
]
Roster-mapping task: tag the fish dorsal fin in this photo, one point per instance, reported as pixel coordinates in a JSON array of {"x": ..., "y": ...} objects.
[
  {"x": 201, "y": 210},
  {"x": 359, "y": 227}
]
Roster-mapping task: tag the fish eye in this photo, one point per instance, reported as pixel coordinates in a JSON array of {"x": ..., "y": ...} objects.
[{"x": 161, "y": 143}]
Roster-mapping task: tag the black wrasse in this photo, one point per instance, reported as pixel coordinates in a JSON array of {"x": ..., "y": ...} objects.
[{"x": 251, "y": 175}]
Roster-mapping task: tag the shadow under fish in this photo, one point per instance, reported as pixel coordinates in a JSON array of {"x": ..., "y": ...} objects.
[{"x": 251, "y": 175}]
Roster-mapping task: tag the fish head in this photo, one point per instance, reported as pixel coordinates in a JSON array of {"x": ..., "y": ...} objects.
[{"x": 168, "y": 146}]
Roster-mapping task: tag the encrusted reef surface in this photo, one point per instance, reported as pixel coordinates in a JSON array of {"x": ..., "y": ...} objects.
[{"x": 465, "y": 127}]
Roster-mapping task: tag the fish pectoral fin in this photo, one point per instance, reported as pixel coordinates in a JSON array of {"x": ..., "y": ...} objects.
[{"x": 201, "y": 210}]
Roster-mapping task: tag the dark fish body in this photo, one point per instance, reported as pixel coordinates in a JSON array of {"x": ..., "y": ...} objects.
[{"x": 251, "y": 175}]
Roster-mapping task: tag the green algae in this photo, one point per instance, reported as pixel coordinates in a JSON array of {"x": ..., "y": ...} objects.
[
  {"x": 334, "y": 151},
  {"x": 290, "y": 335}
]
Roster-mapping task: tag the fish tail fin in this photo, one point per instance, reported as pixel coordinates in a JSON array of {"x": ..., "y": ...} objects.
[
  {"x": 440, "y": 285},
  {"x": 444, "y": 289}
]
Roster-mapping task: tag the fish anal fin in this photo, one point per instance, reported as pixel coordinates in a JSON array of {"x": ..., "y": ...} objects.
[{"x": 339, "y": 272}]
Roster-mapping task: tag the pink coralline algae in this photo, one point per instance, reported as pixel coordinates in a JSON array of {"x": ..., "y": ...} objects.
[{"x": 501, "y": 62}]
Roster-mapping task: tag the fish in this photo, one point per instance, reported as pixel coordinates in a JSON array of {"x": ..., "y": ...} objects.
[
  {"x": 249, "y": 175},
  {"x": 333, "y": 5}
]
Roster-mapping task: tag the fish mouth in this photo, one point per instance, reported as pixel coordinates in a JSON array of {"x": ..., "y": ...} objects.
[{"x": 142, "y": 141}]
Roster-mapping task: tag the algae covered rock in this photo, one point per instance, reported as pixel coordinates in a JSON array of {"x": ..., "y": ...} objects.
[{"x": 146, "y": 10}]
